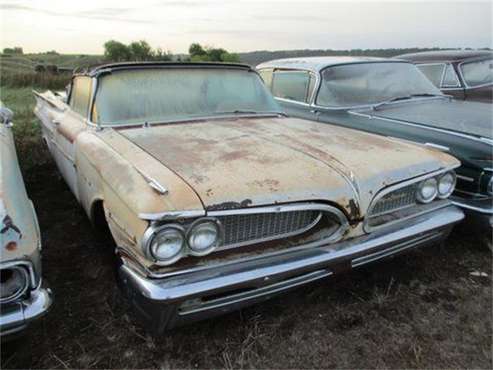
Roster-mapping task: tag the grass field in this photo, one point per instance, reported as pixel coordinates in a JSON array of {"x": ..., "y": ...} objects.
[{"x": 419, "y": 310}]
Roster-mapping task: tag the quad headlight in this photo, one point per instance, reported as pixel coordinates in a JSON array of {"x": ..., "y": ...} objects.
[
  {"x": 14, "y": 282},
  {"x": 446, "y": 185},
  {"x": 167, "y": 243},
  {"x": 164, "y": 244},
  {"x": 427, "y": 190},
  {"x": 204, "y": 236},
  {"x": 436, "y": 187}
]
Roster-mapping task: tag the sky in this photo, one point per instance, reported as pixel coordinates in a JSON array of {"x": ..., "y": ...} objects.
[{"x": 239, "y": 25}]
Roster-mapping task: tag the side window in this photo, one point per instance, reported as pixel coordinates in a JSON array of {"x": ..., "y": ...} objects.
[
  {"x": 80, "y": 95},
  {"x": 266, "y": 75},
  {"x": 292, "y": 85},
  {"x": 450, "y": 77},
  {"x": 434, "y": 72}
]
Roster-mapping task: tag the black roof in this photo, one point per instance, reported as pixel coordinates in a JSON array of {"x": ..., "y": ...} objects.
[
  {"x": 446, "y": 55},
  {"x": 109, "y": 67}
]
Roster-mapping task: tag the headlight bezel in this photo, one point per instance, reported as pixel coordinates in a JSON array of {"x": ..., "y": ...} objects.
[
  {"x": 419, "y": 195},
  {"x": 452, "y": 189},
  {"x": 489, "y": 186},
  {"x": 198, "y": 223},
  {"x": 152, "y": 232},
  {"x": 24, "y": 273}
]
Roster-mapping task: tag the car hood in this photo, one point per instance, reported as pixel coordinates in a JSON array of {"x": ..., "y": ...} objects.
[
  {"x": 467, "y": 117},
  {"x": 244, "y": 162}
]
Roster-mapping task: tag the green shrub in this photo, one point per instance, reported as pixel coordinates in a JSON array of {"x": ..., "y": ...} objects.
[{"x": 34, "y": 80}]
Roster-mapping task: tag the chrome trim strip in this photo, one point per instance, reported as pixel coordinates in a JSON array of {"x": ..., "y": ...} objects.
[
  {"x": 439, "y": 147},
  {"x": 465, "y": 178},
  {"x": 256, "y": 293},
  {"x": 171, "y": 215},
  {"x": 451, "y": 132},
  {"x": 276, "y": 209},
  {"x": 394, "y": 250},
  {"x": 189, "y": 119},
  {"x": 487, "y": 211}
]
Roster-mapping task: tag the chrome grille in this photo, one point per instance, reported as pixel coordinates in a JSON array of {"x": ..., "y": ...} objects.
[
  {"x": 244, "y": 229},
  {"x": 398, "y": 199}
]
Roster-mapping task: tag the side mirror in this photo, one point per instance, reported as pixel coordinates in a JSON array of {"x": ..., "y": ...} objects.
[{"x": 6, "y": 115}]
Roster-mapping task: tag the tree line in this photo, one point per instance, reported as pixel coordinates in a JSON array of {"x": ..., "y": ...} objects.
[{"x": 117, "y": 51}]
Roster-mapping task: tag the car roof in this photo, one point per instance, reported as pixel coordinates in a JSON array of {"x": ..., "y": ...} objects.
[
  {"x": 316, "y": 64},
  {"x": 445, "y": 55},
  {"x": 109, "y": 67}
]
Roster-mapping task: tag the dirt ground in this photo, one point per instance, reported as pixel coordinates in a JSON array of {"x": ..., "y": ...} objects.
[{"x": 419, "y": 310}]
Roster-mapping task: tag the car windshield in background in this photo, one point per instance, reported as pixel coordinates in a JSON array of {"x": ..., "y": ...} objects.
[
  {"x": 162, "y": 95},
  {"x": 478, "y": 73},
  {"x": 372, "y": 83}
]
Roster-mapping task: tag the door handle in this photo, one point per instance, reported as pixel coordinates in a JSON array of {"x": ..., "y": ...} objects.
[{"x": 314, "y": 111}]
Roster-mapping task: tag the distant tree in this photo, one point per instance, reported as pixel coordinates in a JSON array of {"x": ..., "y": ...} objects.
[
  {"x": 14, "y": 50},
  {"x": 52, "y": 52},
  {"x": 230, "y": 57},
  {"x": 140, "y": 50},
  {"x": 137, "y": 50},
  {"x": 39, "y": 68},
  {"x": 159, "y": 54},
  {"x": 209, "y": 54},
  {"x": 196, "y": 50},
  {"x": 116, "y": 51}
]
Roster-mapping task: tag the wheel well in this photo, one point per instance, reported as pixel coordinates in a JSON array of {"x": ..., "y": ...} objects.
[{"x": 98, "y": 218}]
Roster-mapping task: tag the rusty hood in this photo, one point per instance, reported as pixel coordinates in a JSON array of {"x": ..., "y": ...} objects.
[{"x": 244, "y": 162}]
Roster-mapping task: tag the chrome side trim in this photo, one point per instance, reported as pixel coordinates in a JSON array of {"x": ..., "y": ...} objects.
[
  {"x": 438, "y": 146},
  {"x": 450, "y": 132},
  {"x": 465, "y": 178}
]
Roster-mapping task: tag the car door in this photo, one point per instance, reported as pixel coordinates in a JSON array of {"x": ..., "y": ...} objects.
[{"x": 61, "y": 127}]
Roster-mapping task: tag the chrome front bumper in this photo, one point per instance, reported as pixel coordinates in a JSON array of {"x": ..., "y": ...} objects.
[
  {"x": 167, "y": 302},
  {"x": 16, "y": 316}
]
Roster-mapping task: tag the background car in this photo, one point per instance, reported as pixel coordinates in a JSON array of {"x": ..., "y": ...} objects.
[
  {"x": 465, "y": 74},
  {"x": 23, "y": 294},
  {"x": 392, "y": 98}
]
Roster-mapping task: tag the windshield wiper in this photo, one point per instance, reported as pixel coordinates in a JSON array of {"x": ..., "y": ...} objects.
[
  {"x": 405, "y": 97},
  {"x": 241, "y": 111}
]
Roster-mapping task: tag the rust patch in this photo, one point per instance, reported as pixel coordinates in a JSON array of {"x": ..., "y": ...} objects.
[
  {"x": 229, "y": 205},
  {"x": 271, "y": 184},
  {"x": 353, "y": 210}
]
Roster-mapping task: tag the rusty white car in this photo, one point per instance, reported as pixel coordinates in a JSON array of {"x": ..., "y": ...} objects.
[
  {"x": 217, "y": 200},
  {"x": 23, "y": 294}
]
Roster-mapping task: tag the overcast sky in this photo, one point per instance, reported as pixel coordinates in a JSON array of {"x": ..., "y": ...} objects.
[{"x": 83, "y": 26}]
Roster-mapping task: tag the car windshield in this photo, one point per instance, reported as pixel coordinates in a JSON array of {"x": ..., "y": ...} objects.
[
  {"x": 172, "y": 94},
  {"x": 478, "y": 73},
  {"x": 371, "y": 83}
]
